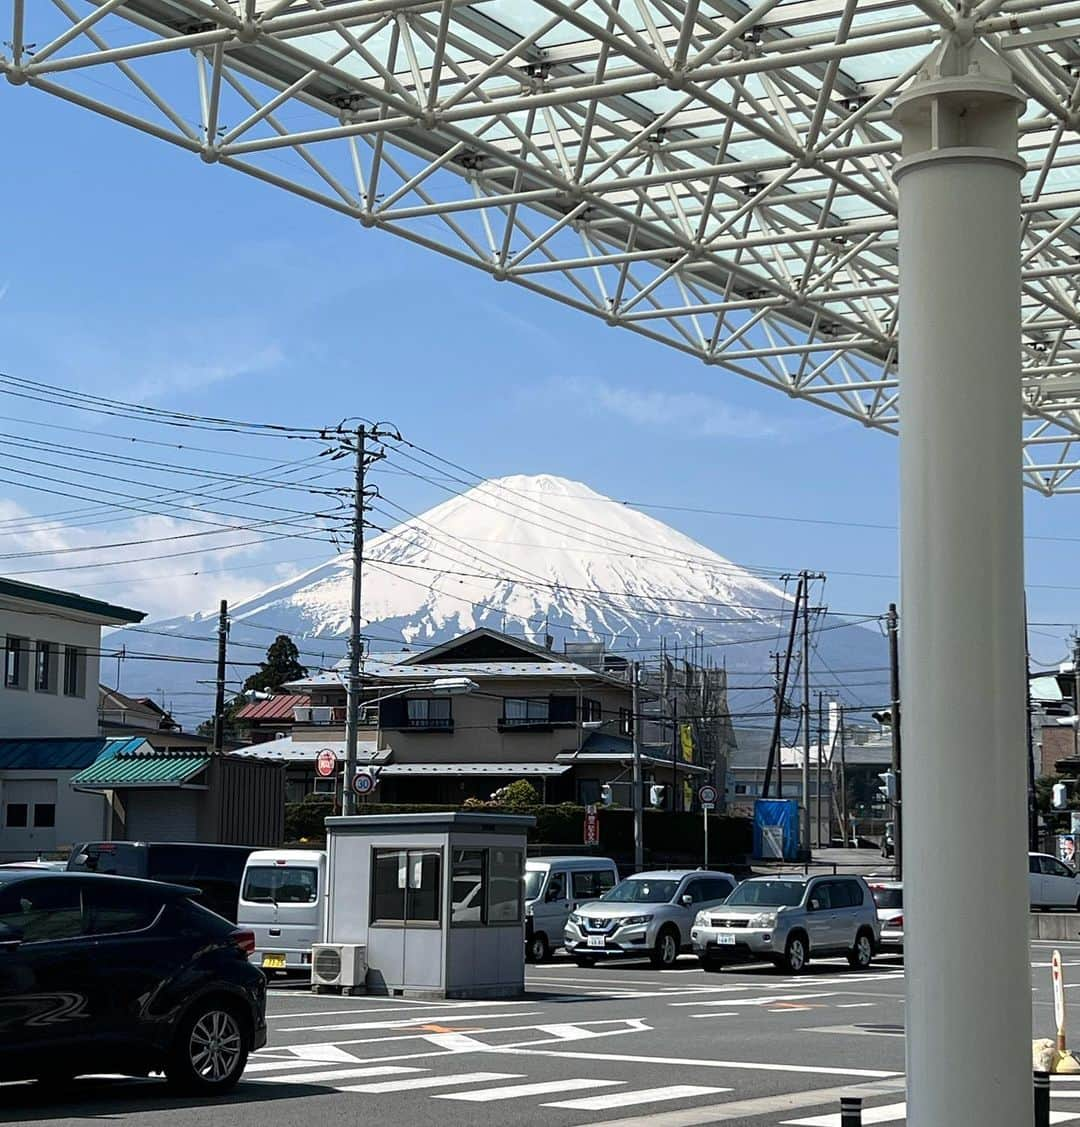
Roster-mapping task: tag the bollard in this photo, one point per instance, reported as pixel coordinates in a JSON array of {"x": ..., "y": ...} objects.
[
  {"x": 1042, "y": 1099},
  {"x": 851, "y": 1111}
]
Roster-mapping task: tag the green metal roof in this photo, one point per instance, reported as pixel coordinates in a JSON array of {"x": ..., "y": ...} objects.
[
  {"x": 62, "y": 754},
  {"x": 143, "y": 769},
  {"x": 12, "y": 588}
]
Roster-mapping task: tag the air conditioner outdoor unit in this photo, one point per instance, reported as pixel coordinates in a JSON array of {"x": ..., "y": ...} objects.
[{"x": 339, "y": 966}]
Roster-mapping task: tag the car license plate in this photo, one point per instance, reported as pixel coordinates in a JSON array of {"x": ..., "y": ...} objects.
[
  {"x": 597, "y": 941},
  {"x": 725, "y": 939},
  {"x": 273, "y": 961}
]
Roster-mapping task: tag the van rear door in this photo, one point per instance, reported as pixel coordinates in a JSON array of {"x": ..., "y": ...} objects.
[{"x": 281, "y": 902}]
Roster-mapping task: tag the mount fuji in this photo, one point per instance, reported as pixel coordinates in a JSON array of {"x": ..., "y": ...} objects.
[{"x": 537, "y": 556}]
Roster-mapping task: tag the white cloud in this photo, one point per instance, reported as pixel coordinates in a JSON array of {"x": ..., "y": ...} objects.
[
  {"x": 687, "y": 413},
  {"x": 173, "y": 584}
]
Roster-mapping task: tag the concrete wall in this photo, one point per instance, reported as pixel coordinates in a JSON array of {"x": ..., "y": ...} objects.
[
  {"x": 27, "y": 713},
  {"x": 79, "y": 817},
  {"x": 1055, "y": 925}
]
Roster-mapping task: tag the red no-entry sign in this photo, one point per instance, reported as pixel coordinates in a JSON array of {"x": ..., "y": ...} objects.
[{"x": 325, "y": 763}]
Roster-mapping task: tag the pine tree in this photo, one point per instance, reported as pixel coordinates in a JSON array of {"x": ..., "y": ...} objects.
[{"x": 282, "y": 665}]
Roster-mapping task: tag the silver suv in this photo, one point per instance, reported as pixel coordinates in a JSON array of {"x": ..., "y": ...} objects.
[
  {"x": 647, "y": 914},
  {"x": 787, "y": 919}
]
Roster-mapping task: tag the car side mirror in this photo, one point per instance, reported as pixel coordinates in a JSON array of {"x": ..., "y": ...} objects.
[
  {"x": 686, "y": 899},
  {"x": 10, "y": 937}
]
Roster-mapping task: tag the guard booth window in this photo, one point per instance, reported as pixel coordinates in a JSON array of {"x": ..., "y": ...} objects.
[
  {"x": 486, "y": 887},
  {"x": 405, "y": 886}
]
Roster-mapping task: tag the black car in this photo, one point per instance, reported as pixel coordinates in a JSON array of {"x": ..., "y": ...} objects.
[{"x": 118, "y": 975}]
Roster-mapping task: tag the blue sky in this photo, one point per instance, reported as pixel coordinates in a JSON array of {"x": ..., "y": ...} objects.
[{"x": 131, "y": 269}]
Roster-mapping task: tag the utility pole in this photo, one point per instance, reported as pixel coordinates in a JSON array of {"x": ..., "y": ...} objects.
[
  {"x": 843, "y": 777},
  {"x": 352, "y": 712},
  {"x": 219, "y": 697},
  {"x": 820, "y": 756},
  {"x": 775, "y": 755},
  {"x": 1076, "y": 692},
  {"x": 806, "y": 710},
  {"x": 1033, "y": 805},
  {"x": 635, "y": 732},
  {"x": 778, "y": 700},
  {"x": 897, "y": 761}
]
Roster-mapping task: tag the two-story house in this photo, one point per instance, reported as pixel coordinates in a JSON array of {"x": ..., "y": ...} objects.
[
  {"x": 534, "y": 714},
  {"x": 51, "y": 642}
]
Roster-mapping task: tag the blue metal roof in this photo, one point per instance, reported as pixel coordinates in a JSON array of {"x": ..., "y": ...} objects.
[{"x": 62, "y": 754}]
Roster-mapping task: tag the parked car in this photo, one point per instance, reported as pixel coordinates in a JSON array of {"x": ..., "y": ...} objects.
[
  {"x": 216, "y": 870},
  {"x": 111, "y": 974},
  {"x": 281, "y": 903},
  {"x": 38, "y": 866},
  {"x": 788, "y": 919},
  {"x": 647, "y": 914},
  {"x": 1052, "y": 884},
  {"x": 554, "y": 886},
  {"x": 889, "y": 898}
]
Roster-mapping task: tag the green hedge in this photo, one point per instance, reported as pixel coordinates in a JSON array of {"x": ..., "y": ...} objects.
[{"x": 668, "y": 836}]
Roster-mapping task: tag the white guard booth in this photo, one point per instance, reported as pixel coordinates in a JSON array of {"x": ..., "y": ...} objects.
[{"x": 435, "y": 899}]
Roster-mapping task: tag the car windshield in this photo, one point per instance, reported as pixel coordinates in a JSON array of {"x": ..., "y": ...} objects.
[
  {"x": 641, "y": 890},
  {"x": 767, "y": 893},
  {"x": 534, "y": 881},
  {"x": 888, "y": 897},
  {"x": 285, "y": 885}
]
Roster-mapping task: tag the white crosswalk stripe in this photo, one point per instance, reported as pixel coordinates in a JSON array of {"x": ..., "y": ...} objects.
[
  {"x": 642, "y": 1096},
  {"x": 416, "y": 1082},
  {"x": 321, "y": 1077},
  {"x": 518, "y": 1091}
]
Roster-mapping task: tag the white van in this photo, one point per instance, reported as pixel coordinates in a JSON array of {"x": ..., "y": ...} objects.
[
  {"x": 554, "y": 886},
  {"x": 281, "y": 901}
]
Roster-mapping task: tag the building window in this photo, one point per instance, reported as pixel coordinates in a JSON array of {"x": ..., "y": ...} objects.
[
  {"x": 505, "y": 885},
  {"x": 591, "y": 711},
  {"x": 429, "y": 712},
  {"x": 15, "y": 816},
  {"x": 520, "y": 712},
  {"x": 74, "y": 671},
  {"x": 740, "y": 788},
  {"x": 325, "y": 786},
  {"x": 16, "y": 655},
  {"x": 467, "y": 884},
  {"x": 626, "y": 722},
  {"x": 45, "y": 668},
  {"x": 44, "y": 815},
  {"x": 405, "y": 886}
]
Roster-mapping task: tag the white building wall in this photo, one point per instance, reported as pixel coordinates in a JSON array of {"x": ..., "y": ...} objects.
[
  {"x": 27, "y": 713},
  {"x": 78, "y": 817}
]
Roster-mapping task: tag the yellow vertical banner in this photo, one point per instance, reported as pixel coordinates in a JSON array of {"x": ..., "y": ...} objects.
[{"x": 686, "y": 738}]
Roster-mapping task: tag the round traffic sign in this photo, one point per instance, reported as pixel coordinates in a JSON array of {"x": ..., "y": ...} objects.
[
  {"x": 708, "y": 794},
  {"x": 325, "y": 763},
  {"x": 363, "y": 782}
]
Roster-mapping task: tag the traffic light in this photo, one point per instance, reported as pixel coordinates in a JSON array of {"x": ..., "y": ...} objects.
[
  {"x": 884, "y": 717},
  {"x": 887, "y": 791},
  {"x": 1059, "y": 796},
  {"x": 606, "y": 796},
  {"x": 656, "y": 795}
]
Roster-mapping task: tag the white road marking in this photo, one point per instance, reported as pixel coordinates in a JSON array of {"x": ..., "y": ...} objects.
[
  {"x": 517, "y": 1091},
  {"x": 400, "y": 1023},
  {"x": 431, "y": 1082},
  {"x": 890, "y": 1113},
  {"x": 749, "y": 1066},
  {"x": 729, "y": 1013},
  {"x": 854, "y": 1030},
  {"x": 768, "y": 1000},
  {"x": 327, "y": 1053},
  {"x": 855, "y": 1005},
  {"x": 338, "y": 1074},
  {"x": 643, "y": 1096}
]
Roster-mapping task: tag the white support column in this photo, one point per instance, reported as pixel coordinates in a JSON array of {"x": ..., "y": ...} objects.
[{"x": 962, "y": 617}]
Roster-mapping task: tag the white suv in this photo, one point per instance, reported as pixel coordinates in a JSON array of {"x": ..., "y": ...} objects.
[{"x": 786, "y": 919}]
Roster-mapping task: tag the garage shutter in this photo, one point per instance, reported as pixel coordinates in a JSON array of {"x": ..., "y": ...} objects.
[{"x": 170, "y": 815}]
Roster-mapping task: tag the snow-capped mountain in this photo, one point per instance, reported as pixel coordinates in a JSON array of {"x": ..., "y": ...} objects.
[{"x": 532, "y": 555}]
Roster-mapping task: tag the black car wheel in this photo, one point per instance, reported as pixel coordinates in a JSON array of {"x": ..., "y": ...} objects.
[
  {"x": 795, "y": 955},
  {"x": 861, "y": 955},
  {"x": 210, "y": 1051},
  {"x": 666, "y": 951},
  {"x": 537, "y": 949}
]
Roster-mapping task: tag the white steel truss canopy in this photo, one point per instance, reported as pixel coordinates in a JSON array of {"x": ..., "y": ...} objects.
[{"x": 711, "y": 174}]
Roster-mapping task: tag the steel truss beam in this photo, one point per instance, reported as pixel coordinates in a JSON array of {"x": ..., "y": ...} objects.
[{"x": 710, "y": 174}]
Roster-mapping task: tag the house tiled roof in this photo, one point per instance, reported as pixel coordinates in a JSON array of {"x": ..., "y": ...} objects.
[
  {"x": 61, "y": 754},
  {"x": 278, "y": 707}
]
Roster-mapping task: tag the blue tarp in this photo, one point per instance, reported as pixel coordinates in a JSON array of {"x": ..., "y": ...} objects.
[{"x": 776, "y": 829}]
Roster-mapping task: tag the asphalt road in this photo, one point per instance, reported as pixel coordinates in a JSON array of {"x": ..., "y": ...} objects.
[{"x": 619, "y": 1044}]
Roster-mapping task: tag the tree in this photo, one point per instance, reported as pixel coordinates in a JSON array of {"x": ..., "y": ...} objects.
[{"x": 282, "y": 665}]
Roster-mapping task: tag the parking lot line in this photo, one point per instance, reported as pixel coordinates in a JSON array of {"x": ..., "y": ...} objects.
[
  {"x": 642, "y": 1096},
  {"x": 517, "y": 1091}
]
